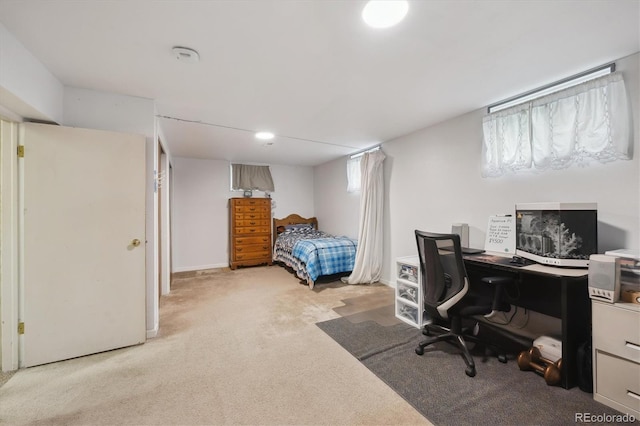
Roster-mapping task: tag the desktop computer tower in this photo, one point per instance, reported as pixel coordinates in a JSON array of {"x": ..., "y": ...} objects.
[{"x": 462, "y": 229}]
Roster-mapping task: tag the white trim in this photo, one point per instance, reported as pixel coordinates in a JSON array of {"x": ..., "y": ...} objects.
[
  {"x": 153, "y": 332},
  {"x": 165, "y": 212},
  {"x": 20, "y": 243},
  {"x": 9, "y": 247},
  {"x": 200, "y": 267}
]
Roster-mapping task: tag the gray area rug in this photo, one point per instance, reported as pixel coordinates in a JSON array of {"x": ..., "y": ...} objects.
[{"x": 436, "y": 385}]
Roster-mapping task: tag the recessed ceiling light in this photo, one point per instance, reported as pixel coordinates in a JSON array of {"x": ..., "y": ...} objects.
[
  {"x": 265, "y": 136},
  {"x": 384, "y": 13},
  {"x": 185, "y": 54}
]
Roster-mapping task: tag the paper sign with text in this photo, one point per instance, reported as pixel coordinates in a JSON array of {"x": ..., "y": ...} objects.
[{"x": 501, "y": 234}]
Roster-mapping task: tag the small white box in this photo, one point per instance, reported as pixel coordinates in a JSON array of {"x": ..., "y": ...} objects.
[{"x": 549, "y": 347}]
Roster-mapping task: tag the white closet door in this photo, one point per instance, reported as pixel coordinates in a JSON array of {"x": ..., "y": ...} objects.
[{"x": 83, "y": 286}]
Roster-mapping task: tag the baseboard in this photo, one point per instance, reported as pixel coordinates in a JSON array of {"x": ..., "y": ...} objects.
[
  {"x": 200, "y": 267},
  {"x": 388, "y": 283},
  {"x": 153, "y": 332}
]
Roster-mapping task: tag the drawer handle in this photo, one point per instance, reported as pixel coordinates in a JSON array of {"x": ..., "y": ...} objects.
[
  {"x": 633, "y": 395},
  {"x": 632, "y": 346},
  {"x": 252, "y": 230},
  {"x": 239, "y": 249}
]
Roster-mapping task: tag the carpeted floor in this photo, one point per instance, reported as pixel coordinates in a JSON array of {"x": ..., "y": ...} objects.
[
  {"x": 234, "y": 348},
  {"x": 436, "y": 385}
]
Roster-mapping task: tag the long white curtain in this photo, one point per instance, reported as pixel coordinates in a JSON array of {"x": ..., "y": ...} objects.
[{"x": 368, "y": 264}]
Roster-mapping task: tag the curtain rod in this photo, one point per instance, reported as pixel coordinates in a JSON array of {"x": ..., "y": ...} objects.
[
  {"x": 361, "y": 153},
  {"x": 496, "y": 107}
]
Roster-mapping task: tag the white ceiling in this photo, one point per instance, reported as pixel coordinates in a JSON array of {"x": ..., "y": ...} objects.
[{"x": 311, "y": 71}]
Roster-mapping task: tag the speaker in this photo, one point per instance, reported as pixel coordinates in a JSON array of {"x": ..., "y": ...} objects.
[
  {"x": 462, "y": 229},
  {"x": 604, "y": 278}
]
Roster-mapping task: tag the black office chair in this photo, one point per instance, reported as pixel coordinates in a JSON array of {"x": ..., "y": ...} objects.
[{"x": 445, "y": 286}]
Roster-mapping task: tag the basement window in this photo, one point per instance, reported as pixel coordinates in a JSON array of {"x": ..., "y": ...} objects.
[
  {"x": 250, "y": 177},
  {"x": 353, "y": 170},
  {"x": 555, "y": 128}
]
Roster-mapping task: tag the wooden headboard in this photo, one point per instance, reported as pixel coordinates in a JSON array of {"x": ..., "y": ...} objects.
[{"x": 292, "y": 219}]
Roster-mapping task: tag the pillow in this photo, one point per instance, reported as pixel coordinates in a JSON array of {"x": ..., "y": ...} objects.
[{"x": 298, "y": 226}]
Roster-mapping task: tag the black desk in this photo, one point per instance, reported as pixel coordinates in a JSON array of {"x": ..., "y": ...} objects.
[{"x": 558, "y": 292}]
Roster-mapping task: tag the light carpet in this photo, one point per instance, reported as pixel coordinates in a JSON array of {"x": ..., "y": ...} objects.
[{"x": 234, "y": 347}]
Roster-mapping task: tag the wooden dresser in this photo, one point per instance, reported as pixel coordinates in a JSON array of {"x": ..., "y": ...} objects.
[{"x": 249, "y": 232}]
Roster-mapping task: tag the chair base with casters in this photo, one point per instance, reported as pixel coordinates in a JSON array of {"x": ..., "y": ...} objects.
[{"x": 459, "y": 335}]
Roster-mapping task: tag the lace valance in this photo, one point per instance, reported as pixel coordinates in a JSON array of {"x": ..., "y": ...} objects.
[{"x": 585, "y": 123}]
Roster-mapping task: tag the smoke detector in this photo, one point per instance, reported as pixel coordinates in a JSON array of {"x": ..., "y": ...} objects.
[{"x": 185, "y": 54}]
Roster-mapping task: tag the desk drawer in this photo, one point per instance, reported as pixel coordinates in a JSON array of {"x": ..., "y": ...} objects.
[
  {"x": 407, "y": 312},
  {"x": 616, "y": 331},
  {"x": 407, "y": 291},
  {"x": 618, "y": 380}
]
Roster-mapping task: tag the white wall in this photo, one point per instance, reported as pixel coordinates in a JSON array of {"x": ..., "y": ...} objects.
[
  {"x": 432, "y": 179},
  {"x": 337, "y": 210},
  {"x": 27, "y": 88},
  {"x": 200, "y": 208}
]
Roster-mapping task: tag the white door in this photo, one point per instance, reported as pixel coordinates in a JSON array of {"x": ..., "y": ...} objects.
[{"x": 83, "y": 242}]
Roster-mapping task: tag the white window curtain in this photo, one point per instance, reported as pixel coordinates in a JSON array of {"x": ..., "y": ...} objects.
[
  {"x": 368, "y": 263},
  {"x": 353, "y": 174},
  {"x": 507, "y": 144},
  {"x": 585, "y": 123},
  {"x": 245, "y": 176}
]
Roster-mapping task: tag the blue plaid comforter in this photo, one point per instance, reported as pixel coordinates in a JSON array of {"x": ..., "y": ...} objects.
[{"x": 326, "y": 256}]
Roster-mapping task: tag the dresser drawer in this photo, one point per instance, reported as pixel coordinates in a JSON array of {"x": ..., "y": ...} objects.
[
  {"x": 248, "y": 230},
  {"x": 616, "y": 330},
  {"x": 618, "y": 380},
  {"x": 251, "y": 209},
  {"x": 251, "y": 202},
  {"x": 263, "y": 254},
  {"x": 248, "y": 248},
  {"x": 252, "y": 222},
  {"x": 239, "y": 241},
  {"x": 252, "y": 216}
]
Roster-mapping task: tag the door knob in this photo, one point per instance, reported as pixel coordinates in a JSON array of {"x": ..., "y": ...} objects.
[{"x": 135, "y": 242}]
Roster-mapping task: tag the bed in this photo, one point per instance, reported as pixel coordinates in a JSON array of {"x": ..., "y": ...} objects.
[{"x": 309, "y": 252}]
